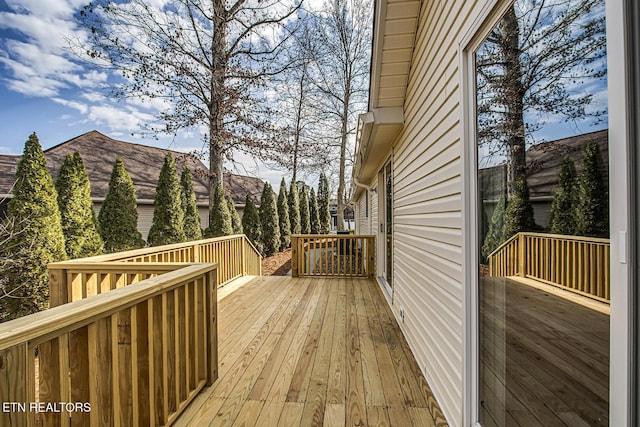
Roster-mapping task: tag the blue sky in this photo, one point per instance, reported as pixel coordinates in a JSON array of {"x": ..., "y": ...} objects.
[{"x": 45, "y": 89}]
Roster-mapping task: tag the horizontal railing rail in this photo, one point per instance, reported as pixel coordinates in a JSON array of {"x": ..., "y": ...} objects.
[
  {"x": 332, "y": 255},
  {"x": 79, "y": 278},
  {"x": 133, "y": 356},
  {"x": 580, "y": 264}
]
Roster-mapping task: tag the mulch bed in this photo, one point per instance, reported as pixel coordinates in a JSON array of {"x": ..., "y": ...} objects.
[{"x": 278, "y": 264}]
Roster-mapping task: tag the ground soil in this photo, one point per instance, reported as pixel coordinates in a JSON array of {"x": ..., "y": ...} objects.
[{"x": 278, "y": 264}]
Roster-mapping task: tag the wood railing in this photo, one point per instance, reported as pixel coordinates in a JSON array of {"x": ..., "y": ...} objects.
[
  {"x": 133, "y": 356},
  {"x": 332, "y": 255},
  {"x": 79, "y": 278},
  {"x": 580, "y": 264}
]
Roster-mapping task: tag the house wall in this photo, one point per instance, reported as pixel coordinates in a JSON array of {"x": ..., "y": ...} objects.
[
  {"x": 145, "y": 216},
  {"x": 427, "y": 217},
  {"x": 363, "y": 216}
]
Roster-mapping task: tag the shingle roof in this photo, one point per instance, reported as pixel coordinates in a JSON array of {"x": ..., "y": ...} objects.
[
  {"x": 142, "y": 162},
  {"x": 543, "y": 164}
]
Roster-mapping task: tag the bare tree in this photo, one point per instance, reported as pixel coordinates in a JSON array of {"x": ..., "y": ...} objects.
[
  {"x": 530, "y": 65},
  {"x": 12, "y": 251},
  {"x": 340, "y": 73},
  {"x": 206, "y": 59},
  {"x": 303, "y": 148}
]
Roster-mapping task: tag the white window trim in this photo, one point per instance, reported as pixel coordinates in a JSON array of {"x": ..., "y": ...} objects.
[{"x": 622, "y": 353}]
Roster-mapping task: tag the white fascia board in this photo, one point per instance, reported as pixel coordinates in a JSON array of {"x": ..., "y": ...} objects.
[{"x": 380, "y": 16}]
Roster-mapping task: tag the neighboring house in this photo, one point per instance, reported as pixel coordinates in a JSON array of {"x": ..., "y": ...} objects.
[
  {"x": 417, "y": 192},
  {"x": 143, "y": 163},
  {"x": 543, "y": 167}
]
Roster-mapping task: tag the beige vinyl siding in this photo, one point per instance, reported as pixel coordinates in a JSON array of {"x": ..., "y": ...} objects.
[
  {"x": 145, "y": 219},
  {"x": 428, "y": 204},
  {"x": 363, "y": 219},
  {"x": 203, "y": 212}
]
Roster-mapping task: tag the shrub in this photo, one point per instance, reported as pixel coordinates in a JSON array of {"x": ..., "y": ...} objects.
[
  {"x": 294, "y": 209},
  {"x": 168, "y": 217},
  {"x": 79, "y": 221},
  {"x": 269, "y": 221},
  {"x": 283, "y": 217},
  {"x": 118, "y": 217},
  {"x": 236, "y": 222},
  {"x": 192, "y": 226},
  {"x": 34, "y": 236},
  {"x": 592, "y": 215},
  {"x": 314, "y": 219},
  {"x": 323, "y": 205},
  {"x": 518, "y": 216},
  {"x": 495, "y": 235},
  {"x": 251, "y": 223},
  {"x": 305, "y": 220},
  {"x": 562, "y": 218},
  {"x": 219, "y": 216}
]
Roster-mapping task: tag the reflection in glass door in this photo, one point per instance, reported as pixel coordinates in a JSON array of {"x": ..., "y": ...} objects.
[
  {"x": 542, "y": 172},
  {"x": 388, "y": 219},
  {"x": 385, "y": 201}
]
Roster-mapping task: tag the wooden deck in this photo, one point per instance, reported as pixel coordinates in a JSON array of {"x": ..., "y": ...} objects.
[
  {"x": 312, "y": 352},
  {"x": 544, "y": 356}
]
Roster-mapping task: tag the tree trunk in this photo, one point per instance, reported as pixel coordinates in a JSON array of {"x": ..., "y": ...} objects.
[
  {"x": 298, "y": 130},
  {"x": 343, "y": 157},
  {"x": 216, "y": 112},
  {"x": 514, "y": 93}
]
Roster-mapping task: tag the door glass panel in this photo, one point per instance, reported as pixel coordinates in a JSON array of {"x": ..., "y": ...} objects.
[{"x": 543, "y": 272}]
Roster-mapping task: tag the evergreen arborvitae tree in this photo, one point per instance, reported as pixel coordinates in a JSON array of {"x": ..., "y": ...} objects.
[
  {"x": 283, "y": 217},
  {"x": 314, "y": 219},
  {"x": 192, "y": 227},
  {"x": 269, "y": 221},
  {"x": 518, "y": 216},
  {"x": 294, "y": 208},
  {"x": 219, "y": 216},
  {"x": 118, "y": 217},
  {"x": 168, "y": 217},
  {"x": 305, "y": 220},
  {"x": 323, "y": 205},
  {"x": 79, "y": 221},
  {"x": 251, "y": 223},
  {"x": 236, "y": 222},
  {"x": 37, "y": 237},
  {"x": 592, "y": 215},
  {"x": 562, "y": 218},
  {"x": 495, "y": 234}
]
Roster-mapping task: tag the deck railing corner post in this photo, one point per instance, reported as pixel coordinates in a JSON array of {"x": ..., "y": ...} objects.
[
  {"x": 58, "y": 292},
  {"x": 522, "y": 255}
]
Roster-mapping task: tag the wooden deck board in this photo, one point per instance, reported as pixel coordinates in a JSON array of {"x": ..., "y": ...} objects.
[
  {"x": 545, "y": 358},
  {"x": 294, "y": 356}
]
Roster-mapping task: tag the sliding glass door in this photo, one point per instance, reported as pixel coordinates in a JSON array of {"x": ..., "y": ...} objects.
[{"x": 543, "y": 216}]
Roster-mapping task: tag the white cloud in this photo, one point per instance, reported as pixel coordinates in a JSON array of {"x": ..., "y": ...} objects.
[
  {"x": 82, "y": 108},
  {"x": 117, "y": 118}
]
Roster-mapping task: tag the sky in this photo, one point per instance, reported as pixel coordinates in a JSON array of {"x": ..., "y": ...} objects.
[{"x": 45, "y": 89}]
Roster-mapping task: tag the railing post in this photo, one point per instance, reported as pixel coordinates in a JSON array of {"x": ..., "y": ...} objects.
[
  {"x": 294, "y": 256},
  {"x": 212, "y": 335},
  {"x": 58, "y": 292},
  {"x": 196, "y": 252},
  {"x": 15, "y": 384},
  {"x": 522, "y": 255},
  {"x": 243, "y": 256},
  {"x": 370, "y": 256}
]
